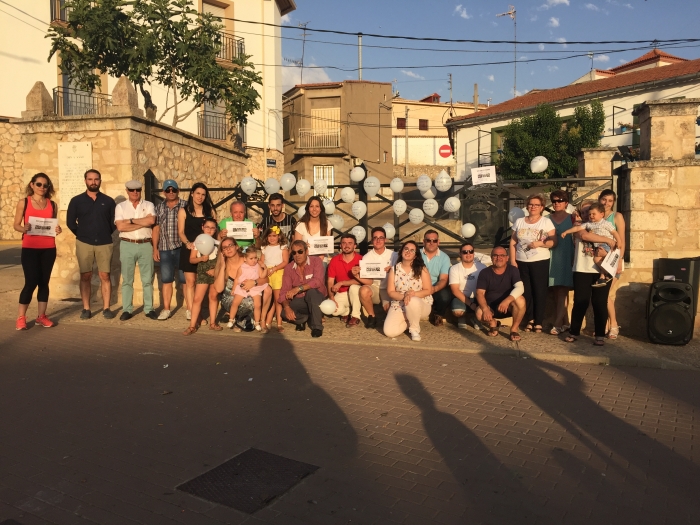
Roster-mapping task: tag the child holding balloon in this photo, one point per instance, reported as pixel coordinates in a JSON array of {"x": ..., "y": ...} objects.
[{"x": 204, "y": 256}]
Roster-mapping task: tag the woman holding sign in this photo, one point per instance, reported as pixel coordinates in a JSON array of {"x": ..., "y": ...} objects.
[
  {"x": 35, "y": 219},
  {"x": 314, "y": 224},
  {"x": 607, "y": 198}
]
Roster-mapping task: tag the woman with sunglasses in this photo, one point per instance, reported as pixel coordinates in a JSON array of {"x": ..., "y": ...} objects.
[
  {"x": 189, "y": 225},
  {"x": 314, "y": 223},
  {"x": 607, "y": 198},
  {"x": 561, "y": 276},
  {"x": 38, "y": 249},
  {"x": 533, "y": 237},
  {"x": 409, "y": 286}
]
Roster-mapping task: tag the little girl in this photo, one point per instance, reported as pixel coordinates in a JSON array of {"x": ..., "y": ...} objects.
[
  {"x": 275, "y": 255},
  {"x": 249, "y": 270}
]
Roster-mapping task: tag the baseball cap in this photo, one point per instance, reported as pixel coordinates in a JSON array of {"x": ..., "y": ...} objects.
[
  {"x": 170, "y": 183},
  {"x": 134, "y": 185}
]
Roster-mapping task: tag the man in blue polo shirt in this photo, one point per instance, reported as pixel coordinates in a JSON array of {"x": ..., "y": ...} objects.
[{"x": 438, "y": 264}]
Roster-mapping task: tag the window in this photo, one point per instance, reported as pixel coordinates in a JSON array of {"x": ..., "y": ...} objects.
[
  {"x": 285, "y": 128},
  {"x": 400, "y": 123},
  {"x": 325, "y": 172},
  {"x": 423, "y": 124},
  {"x": 385, "y": 155}
]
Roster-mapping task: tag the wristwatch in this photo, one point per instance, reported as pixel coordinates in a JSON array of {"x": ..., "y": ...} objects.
[
  {"x": 131, "y": 221},
  {"x": 301, "y": 287}
]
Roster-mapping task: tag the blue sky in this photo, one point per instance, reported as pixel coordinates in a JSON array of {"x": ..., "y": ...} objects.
[{"x": 560, "y": 21}]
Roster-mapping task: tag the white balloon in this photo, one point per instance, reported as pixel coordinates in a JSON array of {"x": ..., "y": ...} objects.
[
  {"x": 359, "y": 233},
  {"x": 514, "y": 214},
  {"x": 336, "y": 221},
  {"x": 430, "y": 207},
  {"x": 347, "y": 195},
  {"x": 204, "y": 243},
  {"x": 328, "y": 206},
  {"x": 301, "y": 211},
  {"x": 539, "y": 164},
  {"x": 443, "y": 182},
  {"x": 570, "y": 209},
  {"x": 320, "y": 186},
  {"x": 272, "y": 186},
  {"x": 249, "y": 185},
  {"x": 328, "y": 307},
  {"x": 287, "y": 181},
  {"x": 416, "y": 216},
  {"x": 359, "y": 209},
  {"x": 452, "y": 204},
  {"x": 303, "y": 187},
  {"x": 390, "y": 230},
  {"x": 468, "y": 230},
  {"x": 357, "y": 174},
  {"x": 430, "y": 193},
  {"x": 399, "y": 206},
  {"x": 423, "y": 183},
  {"x": 372, "y": 186},
  {"x": 396, "y": 185}
]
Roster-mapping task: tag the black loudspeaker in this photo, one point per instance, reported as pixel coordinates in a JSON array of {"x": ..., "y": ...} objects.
[
  {"x": 670, "y": 313},
  {"x": 682, "y": 270}
]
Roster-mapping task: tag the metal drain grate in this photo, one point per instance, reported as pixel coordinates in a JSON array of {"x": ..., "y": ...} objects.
[{"x": 249, "y": 481}]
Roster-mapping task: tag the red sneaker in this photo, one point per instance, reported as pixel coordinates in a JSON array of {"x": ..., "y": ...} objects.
[
  {"x": 21, "y": 323},
  {"x": 44, "y": 321}
]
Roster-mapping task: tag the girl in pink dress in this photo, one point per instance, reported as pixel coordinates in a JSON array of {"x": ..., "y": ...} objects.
[{"x": 249, "y": 270}]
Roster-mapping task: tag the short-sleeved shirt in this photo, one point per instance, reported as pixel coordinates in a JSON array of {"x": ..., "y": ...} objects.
[
  {"x": 386, "y": 258},
  {"x": 286, "y": 225},
  {"x": 166, "y": 218},
  {"x": 91, "y": 221},
  {"x": 497, "y": 287},
  {"x": 340, "y": 270},
  {"x": 125, "y": 211},
  {"x": 466, "y": 277},
  {"x": 437, "y": 266},
  {"x": 241, "y": 242},
  {"x": 602, "y": 228},
  {"x": 526, "y": 233}
]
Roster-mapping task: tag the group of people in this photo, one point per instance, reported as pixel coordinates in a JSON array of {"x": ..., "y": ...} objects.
[{"x": 273, "y": 277}]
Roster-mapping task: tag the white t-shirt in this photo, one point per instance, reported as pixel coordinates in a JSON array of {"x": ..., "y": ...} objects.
[
  {"x": 273, "y": 255},
  {"x": 305, "y": 235},
  {"x": 526, "y": 233},
  {"x": 387, "y": 258},
  {"x": 466, "y": 277}
]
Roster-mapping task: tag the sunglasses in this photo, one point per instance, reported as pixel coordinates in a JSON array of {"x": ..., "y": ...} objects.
[
  {"x": 135, "y": 191},
  {"x": 170, "y": 190},
  {"x": 467, "y": 252},
  {"x": 557, "y": 201},
  {"x": 409, "y": 250},
  {"x": 430, "y": 240},
  {"x": 41, "y": 185},
  {"x": 298, "y": 252}
]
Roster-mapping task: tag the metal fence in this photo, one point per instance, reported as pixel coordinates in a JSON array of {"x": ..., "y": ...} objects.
[
  {"x": 71, "y": 101},
  {"x": 213, "y": 125},
  {"x": 232, "y": 47},
  {"x": 319, "y": 138},
  {"x": 59, "y": 12}
]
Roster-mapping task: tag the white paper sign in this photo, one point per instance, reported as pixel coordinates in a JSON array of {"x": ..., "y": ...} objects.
[
  {"x": 610, "y": 262},
  {"x": 42, "y": 227},
  {"x": 74, "y": 159},
  {"x": 484, "y": 175},
  {"x": 372, "y": 270},
  {"x": 321, "y": 245},
  {"x": 239, "y": 229},
  {"x": 523, "y": 248}
]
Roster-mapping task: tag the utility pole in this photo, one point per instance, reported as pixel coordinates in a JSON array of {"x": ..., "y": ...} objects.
[
  {"x": 405, "y": 155},
  {"x": 359, "y": 56},
  {"x": 511, "y": 13},
  {"x": 303, "y": 46},
  {"x": 450, "y": 82}
]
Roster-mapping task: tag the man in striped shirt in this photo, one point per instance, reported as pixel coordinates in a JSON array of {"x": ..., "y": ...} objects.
[{"x": 167, "y": 243}]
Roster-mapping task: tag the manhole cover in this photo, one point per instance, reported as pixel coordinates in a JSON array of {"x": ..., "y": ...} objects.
[{"x": 249, "y": 481}]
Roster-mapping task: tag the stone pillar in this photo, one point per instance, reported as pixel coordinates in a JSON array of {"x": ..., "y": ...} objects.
[
  {"x": 39, "y": 102},
  {"x": 124, "y": 99},
  {"x": 667, "y": 129}
]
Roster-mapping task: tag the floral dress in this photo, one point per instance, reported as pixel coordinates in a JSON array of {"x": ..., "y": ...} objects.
[{"x": 403, "y": 282}]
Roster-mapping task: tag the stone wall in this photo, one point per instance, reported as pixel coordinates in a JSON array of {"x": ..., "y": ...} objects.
[
  {"x": 416, "y": 170},
  {"x": 11, "y": 182},
  {"x": 257, "y": 160}
]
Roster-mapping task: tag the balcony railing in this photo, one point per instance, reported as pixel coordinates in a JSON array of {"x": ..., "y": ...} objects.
[
  {"x": 217, "y": 126},
  {"x": 232, "y": 47},
  {"x": 69, "y": 102},
  {"x": 59, "y": 13},
  {"x": 310, "y": 138}
]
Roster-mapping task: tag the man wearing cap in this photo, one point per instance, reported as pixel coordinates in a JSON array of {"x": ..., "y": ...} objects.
[
  {"x": 167, "y": 243},
  {"x": 134, "y": 218}
]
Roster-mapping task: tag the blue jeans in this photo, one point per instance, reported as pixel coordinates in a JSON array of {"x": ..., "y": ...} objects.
[{"x": 169, "y": 263}]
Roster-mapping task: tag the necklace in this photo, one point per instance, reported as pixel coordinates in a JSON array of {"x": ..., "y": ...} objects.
[{"x": 38, "y": 205}]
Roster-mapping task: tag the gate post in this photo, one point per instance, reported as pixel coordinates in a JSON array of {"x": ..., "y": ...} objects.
[{"x": 364, "y": 221}]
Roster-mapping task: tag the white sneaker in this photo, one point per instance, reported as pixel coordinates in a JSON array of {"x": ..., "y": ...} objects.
[
  {"x": 415, "y": 336},
  {"x": 188, "y": 315},
  {"x": 164, "y": 315},
  {"x": 462, "y": 325},
  {"x": 229, "y": 324},
  {"x": 257, "y": 327}
]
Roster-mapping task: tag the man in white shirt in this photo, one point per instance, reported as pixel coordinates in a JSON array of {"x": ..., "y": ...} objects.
[
  {"x": 462, "y": 280},
  {"x": 134, "y": 218},
  {"x": 374, "y": 291}
]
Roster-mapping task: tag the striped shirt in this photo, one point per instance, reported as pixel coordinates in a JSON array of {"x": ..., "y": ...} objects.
[{"x": 166, "y": 218}]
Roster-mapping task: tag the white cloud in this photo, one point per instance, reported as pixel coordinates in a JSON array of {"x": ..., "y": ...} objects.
[
  {"x": 554, "y": 3},
  {"x": 552, "y": 68},
  {"x": 461, "y": 11},
  {"x": 286, "y": 19},
  {"x": 601, "y": 58},
  {"x": 533, "y": 18},
  {"x": 491, "y": 78},
  {"x": 623, "y": 61},
  {"x": 541, "y": 46},
  {"x": 517, "y": 93},
  {"x": 553, "y": 22},
  {"x": 592, "y": 7},
  {"x": 291, "y": 76},
  {"x": 562, "y": 41},
  {"x": 628, "y": 6},
  {"x": 523, "y": 58},
  {"x": 494, "y": 24},
  {"x": 412, "y": 74}
]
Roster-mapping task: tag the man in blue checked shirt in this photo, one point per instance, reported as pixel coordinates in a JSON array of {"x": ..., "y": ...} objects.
[{"x": 438, "y": 264}]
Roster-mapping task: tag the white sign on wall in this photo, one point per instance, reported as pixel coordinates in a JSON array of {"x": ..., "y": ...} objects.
[
  {"x": 484, "y": 175},
  {"x": 74, "y": 159}
]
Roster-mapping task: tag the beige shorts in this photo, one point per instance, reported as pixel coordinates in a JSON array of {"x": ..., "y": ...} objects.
[
  {"x": 380, "y": 296},
  {"x": 87, "y": 254}
]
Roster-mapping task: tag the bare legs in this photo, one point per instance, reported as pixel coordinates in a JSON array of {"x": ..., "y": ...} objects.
[
  {"x": 561, "y": 297},
  {"x": 366, "y": 299},
  {"x": 166, "y": 296},
  {"x": 86, "y": 289},
  {"x": 190, "y": 280}
]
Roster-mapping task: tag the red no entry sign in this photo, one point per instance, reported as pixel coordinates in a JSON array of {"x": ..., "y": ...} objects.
[{"x": 445, "y": 151}]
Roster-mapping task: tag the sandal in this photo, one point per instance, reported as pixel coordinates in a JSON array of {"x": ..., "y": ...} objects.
[
  {"x": 559, "y": 330},
  {"x": 216, "y": 327},
  {"x": 529, "y": 326},
  {"x": 190, "y": 330},
  {"x": 537, "y": 329},
  {"x": 570, "y": 339},
  {"x": 515, "y": 336},
  {"x": 280, "y": 328},
  {"x": 492, "y": 331},
  {"x": 614, "y": 332}
]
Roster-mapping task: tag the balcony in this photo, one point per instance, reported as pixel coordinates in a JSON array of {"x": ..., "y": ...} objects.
[
  {"x": 217, "y": 126},
  {"x": 59, "y": 13},
  {"x": 310, "y": 138},
  {"x": 69, "y": 102},
  {"x": 232, "y": 47}
]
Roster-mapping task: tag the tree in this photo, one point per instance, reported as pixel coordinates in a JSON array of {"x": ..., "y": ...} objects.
[
  {"x": 546, "y": 133},
  {"x": 163, "y": 41}
]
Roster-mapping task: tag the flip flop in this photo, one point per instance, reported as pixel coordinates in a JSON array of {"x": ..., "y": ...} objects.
[
  {"x": 570, "y": 339},
  {"x": 599, "y": 341},
  {"x": 492, "y": 331},
  {"x": 515, "y": 336}
]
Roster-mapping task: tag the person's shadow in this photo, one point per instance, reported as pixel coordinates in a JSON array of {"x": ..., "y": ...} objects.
[{"x": 493, "y": 491}]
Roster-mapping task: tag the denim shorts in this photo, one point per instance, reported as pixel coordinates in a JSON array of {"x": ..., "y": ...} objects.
[{"x": 169, "y": 262}]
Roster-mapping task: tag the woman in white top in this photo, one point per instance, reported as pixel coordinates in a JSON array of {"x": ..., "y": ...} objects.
[
  {"x": 532, "y": 238},
  {"x": 314, "y": 222}
]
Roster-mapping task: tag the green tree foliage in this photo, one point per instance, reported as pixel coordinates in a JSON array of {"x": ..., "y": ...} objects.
[
  {"x": 162, "y": 41},
  {"x": 546, "y": 133}
]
